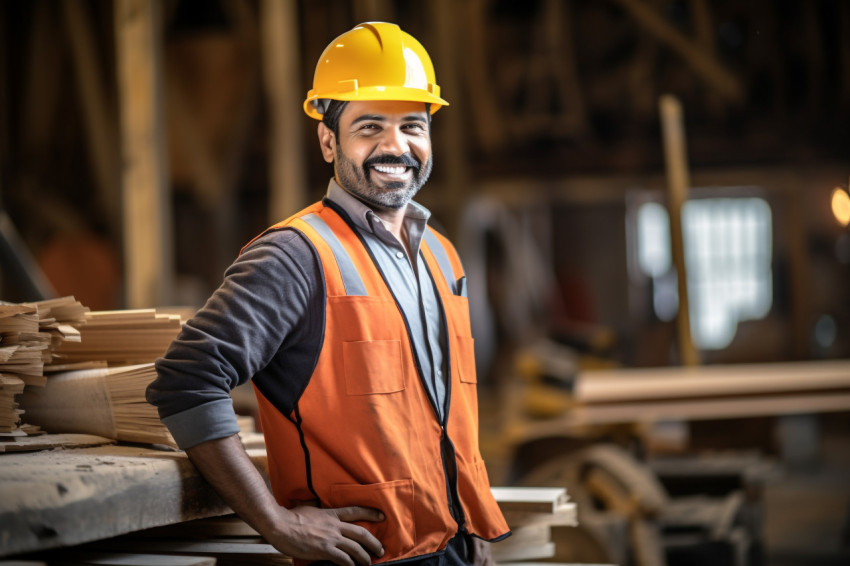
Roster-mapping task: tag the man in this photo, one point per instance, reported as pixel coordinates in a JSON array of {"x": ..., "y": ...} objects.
[{"x": 351, "y": 320}]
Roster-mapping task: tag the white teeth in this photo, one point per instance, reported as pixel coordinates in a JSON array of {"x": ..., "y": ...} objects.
[{"x": 391, "y": 169}]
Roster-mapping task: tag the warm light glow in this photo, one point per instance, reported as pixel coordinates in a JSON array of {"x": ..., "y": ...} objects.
[{"x": 841, "y": 206}]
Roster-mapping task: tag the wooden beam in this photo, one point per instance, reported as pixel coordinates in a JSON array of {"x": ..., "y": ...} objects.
[
  {"x": 101, "y": 131},
  {"x": 607, "y": 386},
  {"x": 281, "y": 68},
  {"x": 487, "y": 119},
  {"x": 704, "y": 65},
  {"x": 147, "y": 207},
  {"x": 678, "y": 183},
  {"x": 450, "y": 129},
  {"x": 373, "y": 10}
]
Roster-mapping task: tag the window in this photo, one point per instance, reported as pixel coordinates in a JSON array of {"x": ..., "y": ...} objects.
[{"x": 728, "y": 251}]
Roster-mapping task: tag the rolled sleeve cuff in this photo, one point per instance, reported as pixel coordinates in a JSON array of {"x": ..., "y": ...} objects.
[{"x": 209, "y": 421}]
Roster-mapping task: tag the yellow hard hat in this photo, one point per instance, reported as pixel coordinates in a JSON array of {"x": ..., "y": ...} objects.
[{"x": 373, "y": 61}]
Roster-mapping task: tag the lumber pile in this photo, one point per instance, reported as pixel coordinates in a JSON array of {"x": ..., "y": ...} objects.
[
  {"x": 30, "y": 334},
  {"x": 66, "y": 369},
  {"x": 650, "y": 395},
  {"x": 531, "y": 512},
  {"x": 122, "y": 337}
]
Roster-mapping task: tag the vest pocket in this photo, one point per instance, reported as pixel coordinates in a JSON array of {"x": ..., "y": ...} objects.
[
  {"x": 373, "y": 367},
  {"x": 395, "y": 500},
  {"x": 465, "y": 357}
]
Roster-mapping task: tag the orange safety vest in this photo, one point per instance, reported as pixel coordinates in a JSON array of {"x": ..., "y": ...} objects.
[{"x": 364, "y": 431}]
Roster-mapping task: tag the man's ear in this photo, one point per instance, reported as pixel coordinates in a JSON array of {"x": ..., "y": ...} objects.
[{"x": 327, "y": 142}]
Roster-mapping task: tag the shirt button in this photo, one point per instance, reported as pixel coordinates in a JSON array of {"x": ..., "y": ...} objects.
[{"x": 399, "y": 255}]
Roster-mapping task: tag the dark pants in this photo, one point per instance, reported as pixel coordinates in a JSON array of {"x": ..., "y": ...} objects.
[{"x": 458, "y": 553}]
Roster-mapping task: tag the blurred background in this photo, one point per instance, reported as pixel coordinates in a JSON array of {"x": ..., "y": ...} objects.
[{"x": 143, "y": 143}]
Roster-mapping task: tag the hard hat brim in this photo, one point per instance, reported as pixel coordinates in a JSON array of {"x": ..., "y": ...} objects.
[{"x": 398, "y": 93}]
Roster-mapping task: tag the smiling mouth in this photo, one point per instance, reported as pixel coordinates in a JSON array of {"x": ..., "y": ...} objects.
[{"x": 391, "y": 169}]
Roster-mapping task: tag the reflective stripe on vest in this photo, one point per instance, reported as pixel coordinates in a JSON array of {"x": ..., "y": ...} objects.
[
  {"x": 442, "y": 258},
  {"x": 350, "y": 277}
]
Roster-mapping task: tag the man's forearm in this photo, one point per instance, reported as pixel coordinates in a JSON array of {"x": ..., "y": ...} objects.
[{"x": 227, "y": 467}]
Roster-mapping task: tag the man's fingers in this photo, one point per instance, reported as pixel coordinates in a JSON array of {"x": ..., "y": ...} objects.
[
  {"x": 353, "y": 549},
  {"x": 351, "y": 514},
  {"x": 357, "y": 533},
  {"x": 363, "y": 538}
]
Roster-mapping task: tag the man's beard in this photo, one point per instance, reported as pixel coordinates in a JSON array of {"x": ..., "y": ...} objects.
[{"x": 395, "y": 195}]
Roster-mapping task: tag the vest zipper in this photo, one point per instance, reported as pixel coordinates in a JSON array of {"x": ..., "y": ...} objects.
[{"x": 447, "y": 449}]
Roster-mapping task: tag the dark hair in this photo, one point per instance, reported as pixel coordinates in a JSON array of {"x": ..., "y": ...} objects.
[{"x": 330, "y": 117}]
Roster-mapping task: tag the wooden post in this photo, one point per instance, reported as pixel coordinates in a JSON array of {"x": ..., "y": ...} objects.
[
  {"x": 675, "y": 155},
  {"x": 450, "y": 128},
  {"x": 101, "y": 131},
  {"x": 280, "y": 54},
  {"x": 148, "y": 264},
  {"x": 373, "y": 10},
  {"x": 796, "y": 200}
]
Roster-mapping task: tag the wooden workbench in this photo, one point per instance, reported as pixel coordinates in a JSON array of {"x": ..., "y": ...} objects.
[{"x": 55, "y": 498}]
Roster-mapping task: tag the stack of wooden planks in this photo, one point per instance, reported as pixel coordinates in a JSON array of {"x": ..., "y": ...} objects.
[
  {"x": 651, "y": 395},
  {"x": 531, "y": 512},
  {"x": 107, "y": 402},
  {"x": 88, "y": 370},
  {"x": 30, "y": 334},
  {"x": 122, "y": 337},
  {"x": 223, "y": 541},
  {"x": 720, "y": 391}
]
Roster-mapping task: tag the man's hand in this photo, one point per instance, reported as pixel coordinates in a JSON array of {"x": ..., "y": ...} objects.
[
  {"x": 481, "y": 554},
  {"x": 311, "y": 533}
]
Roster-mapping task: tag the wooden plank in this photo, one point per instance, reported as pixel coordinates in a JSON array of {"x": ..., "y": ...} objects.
[
  {"x": 193, "y": 547},
  {"x": 535, "y": 506},
  {"x": 227, "y": 526},
  {"x": 530, "y": 499},
  {"x": 68, "y": 497},
  {"x": 147, "y": 207},
  {"x": 51, "y": 441},
  {"x": 79, "y": 558},
  {"x": 566, "y": 516},
  {"x": 281, "y": 63}
]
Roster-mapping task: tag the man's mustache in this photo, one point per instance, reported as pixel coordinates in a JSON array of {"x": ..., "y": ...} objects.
[{"x": 405, "y": 159}]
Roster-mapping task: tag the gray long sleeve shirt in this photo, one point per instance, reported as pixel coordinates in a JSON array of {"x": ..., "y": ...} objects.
[{"x": 265, "y": 322}]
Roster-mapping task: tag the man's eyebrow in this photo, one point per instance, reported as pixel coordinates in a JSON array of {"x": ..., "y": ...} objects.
[
  {"x": 381, "y": 118},
  {"x": 369, "y": 118}
]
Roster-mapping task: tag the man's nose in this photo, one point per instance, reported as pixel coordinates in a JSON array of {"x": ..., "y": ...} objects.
[{"x": 394, "y": 142}]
